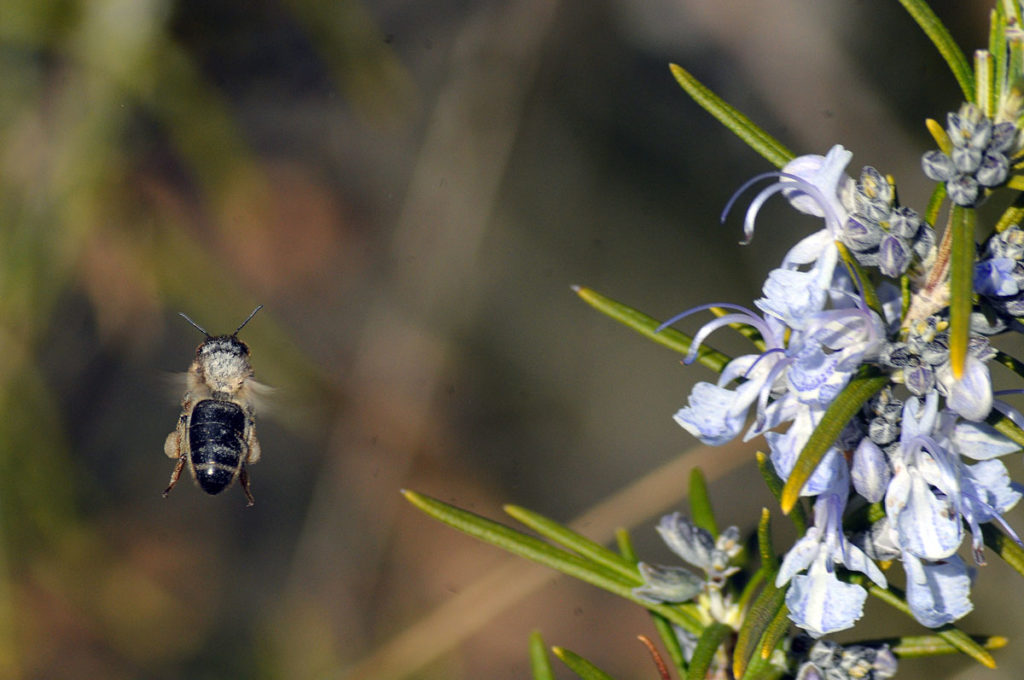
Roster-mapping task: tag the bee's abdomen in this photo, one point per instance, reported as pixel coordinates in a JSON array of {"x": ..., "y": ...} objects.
[{"x": 216, "y": 438}]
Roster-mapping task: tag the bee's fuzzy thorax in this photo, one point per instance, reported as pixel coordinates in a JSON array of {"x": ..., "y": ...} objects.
[{"x": 222, "y": 365}]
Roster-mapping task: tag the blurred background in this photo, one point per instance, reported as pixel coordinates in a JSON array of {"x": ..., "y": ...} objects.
[{"x": 410, "y": 188}]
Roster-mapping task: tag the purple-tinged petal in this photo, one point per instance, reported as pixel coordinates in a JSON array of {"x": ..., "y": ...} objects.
[
  {"x": 971, "y": 396},
  {"x": 820, "y": 603},
  {"x": 709, "y": 416},
  {"x": 825, "y": 173},
  {"x": 792, "y": 296},
  {"x": 995, "y": 277},
  {"x": 927, "y": 525},
  {"x": 938, "y": 592},
  {"x": 981, "y": 441},
  {"x": 870, "y": 472}
]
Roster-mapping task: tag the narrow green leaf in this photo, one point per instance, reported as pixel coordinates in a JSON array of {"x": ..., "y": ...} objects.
[
  {"x": 1006, "y": 427},
  {"x": 984, "y": 79},
  {"x": 1016, "y": 182},
  {"x": 1004, "y": 546},
  {"x": 579, "y": 544},
  {"x": 540, "y": 664},
  {"x": 940, "y": 136},
  {"x": 931, "y": 211},
  {"x": 961, "y": 286},
  {"x": 536, "y": 550},
  {"x": 858, "y": 274},
  {"x": 799, "y": 514},
  {"x": 1013, "y": 215},
  {"x": 760, "y": 616},
  {"x": 579, "y": 665},
  {"x": 703, "y": 515},
  {"x": 625, "y": 544},
  {"x": 895, "y": 598},
  {"x": 762, "y": 669},
  {"x": 913, "y": 646},
  {"x": 997, "y": 48},
  {"x": 744, "y": 128},
  {"x": 866, "y": 384},
  {"x": 765, "y": 545},
  {"x": 1016, "y": 59},
  {"x": 704, "y": 653},
  {"x": 943, "y": 41},
  {"x": 777, "y": 630},
  {"x": 752, "y": 587},
  {"x": 646, "y": 326}
]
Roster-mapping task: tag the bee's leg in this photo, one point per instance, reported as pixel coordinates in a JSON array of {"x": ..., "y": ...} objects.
[
  {"x": 243, "y": 477},
  {"x": 175, "y": 474},
  {"x": 254, "y": 448}
]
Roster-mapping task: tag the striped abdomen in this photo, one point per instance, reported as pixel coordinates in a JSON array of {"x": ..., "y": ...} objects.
[{"x": 216, "y": 437}]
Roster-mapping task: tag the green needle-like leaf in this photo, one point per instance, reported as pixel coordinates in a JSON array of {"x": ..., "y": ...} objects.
[
  {"x": 799, "y": 514},
  {"x": 777, "y": 630},
  {"x": 1013, "y": 215},
  {"x": 581, "y": 545},
  {"x": 769, "y": 562},
  {"x": 913, "y": 646},
  {"x": 579, "y": 665},
  {"x": 646, "y": 326},
  {"x": 1004, "y": 546},
  {"x": 744, "y": 128},
  {"x": 704, "y": 653},
  {"x": 931, "y": 212},
  {"x": 534, "y": 549},
  {"x": 1006, "y": 427},
  {"x": 997, "y": 48},
  {"x": 961, "y": 286},
  {"x": 759, "y": 618},
  {"x": 762, "y": 669},
  {"x": 540, "y": 664},
  {"x": 866, "y": 384},
  {"x": 702, "y": 514},
  {"x": 858, "y": 274},
  {"x": 940, "y": 37}
]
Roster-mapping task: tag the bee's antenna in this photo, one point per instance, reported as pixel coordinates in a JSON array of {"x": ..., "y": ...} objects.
[
  {"x": 203, "y": 330},
  {"x": 246, "y": 320}
]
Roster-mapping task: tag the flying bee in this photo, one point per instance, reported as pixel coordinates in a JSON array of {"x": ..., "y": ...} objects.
[{"x": 216, "y": 432}]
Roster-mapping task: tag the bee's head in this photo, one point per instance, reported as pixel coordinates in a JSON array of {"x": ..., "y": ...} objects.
[{"x": 223, "y": 360}]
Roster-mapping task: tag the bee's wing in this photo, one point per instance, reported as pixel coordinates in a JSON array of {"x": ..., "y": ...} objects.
[
  {"x": 175, "y": 384},
  {"x": 257, "y": 395}
]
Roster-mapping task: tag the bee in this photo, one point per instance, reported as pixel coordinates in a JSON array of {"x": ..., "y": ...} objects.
[{"x": 216, "y": 432}]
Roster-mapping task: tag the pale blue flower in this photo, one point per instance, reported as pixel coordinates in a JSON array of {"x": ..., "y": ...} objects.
[
  {"x": 937, "y": 592},
  {"x": 923, "y": 499},
  {"x": 817, "y": 600},
  {"x": 716, "y": 415},
  {"x": 995, "y": 277}
]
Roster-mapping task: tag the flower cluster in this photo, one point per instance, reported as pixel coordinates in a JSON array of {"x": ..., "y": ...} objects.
[
  {"x": 920, "y": 448},
  {"x": 977, "y": 159},
  {"x": 829, "y": 661}
]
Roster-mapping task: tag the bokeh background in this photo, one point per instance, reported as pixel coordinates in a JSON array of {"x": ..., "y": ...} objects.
[{"x": 410, "y": 188}]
